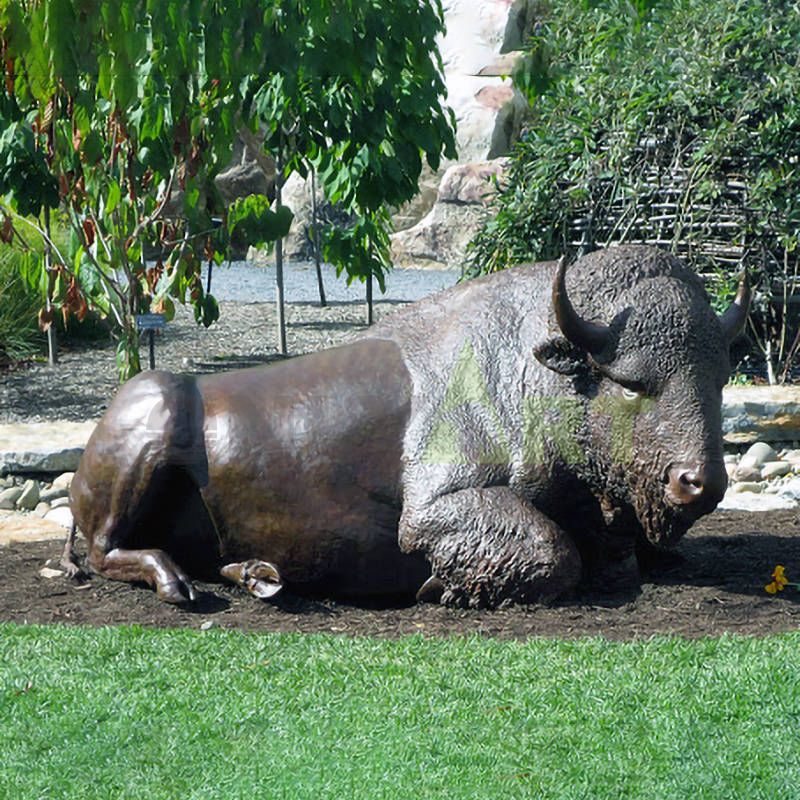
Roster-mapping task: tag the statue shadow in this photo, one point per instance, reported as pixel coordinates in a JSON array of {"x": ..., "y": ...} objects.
[{"x": 741, "y": 563}]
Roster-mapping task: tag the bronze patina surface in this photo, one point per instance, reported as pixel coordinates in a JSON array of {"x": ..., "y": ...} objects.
[{"x": 498, "y": 442}]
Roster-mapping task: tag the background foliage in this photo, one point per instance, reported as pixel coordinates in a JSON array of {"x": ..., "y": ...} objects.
[
  {"x": 675, "y": 123},
  {"x": 121, "y": 112}
]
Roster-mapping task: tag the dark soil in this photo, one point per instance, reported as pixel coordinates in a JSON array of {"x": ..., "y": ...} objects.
[{"x": 715, "y": 585}]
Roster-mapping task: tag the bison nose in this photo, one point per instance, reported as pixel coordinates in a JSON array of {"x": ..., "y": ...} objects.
[{"x": 697, "y": 486}]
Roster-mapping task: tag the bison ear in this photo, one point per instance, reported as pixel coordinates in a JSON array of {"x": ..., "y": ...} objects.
[{"x": 561, "y": 356}]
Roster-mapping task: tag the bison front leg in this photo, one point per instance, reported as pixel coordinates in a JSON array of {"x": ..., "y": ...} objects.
[
  {"x": 153, "y": 567},
  {"x": 489, "y": 547}
]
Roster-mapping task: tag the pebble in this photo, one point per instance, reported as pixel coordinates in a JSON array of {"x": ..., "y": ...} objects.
[
  {"x": 29, "y": 498},
  {"x": 731, "y": 458},
  {"x": 48, "y": 572},
  {"x": 207, "y": 625},
  {"x": 60, "y": 502}
]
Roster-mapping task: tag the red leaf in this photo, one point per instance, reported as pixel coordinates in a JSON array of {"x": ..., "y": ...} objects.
[{"x": 88, "y": 232}]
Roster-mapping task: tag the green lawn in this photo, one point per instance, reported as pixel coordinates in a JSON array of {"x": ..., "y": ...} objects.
[{"x": 135, "y": 713}]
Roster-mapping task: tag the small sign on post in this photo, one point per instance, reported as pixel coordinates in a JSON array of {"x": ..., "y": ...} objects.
[{"x": 151, "y": 323}]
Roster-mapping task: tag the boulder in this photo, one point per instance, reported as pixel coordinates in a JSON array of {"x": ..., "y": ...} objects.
[
  {"x": 242, "y": 180},
  {"x": 474, "y": 184},
  {"x": 761, "y": 414},
  {"x": 441, "y": 238},
  {"x": 791, "y": 489}
]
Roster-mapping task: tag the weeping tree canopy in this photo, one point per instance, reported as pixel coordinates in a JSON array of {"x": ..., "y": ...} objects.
[
  {"x": 668, "y": 123},
  {"x": 119, "y": 113}
]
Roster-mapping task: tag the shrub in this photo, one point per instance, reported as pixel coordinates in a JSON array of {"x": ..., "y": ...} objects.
[
  {"x": 671, "y": 123},
  {"x": 19, "y": 304}
]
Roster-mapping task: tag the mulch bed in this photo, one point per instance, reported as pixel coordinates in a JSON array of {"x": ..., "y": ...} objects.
[{"x": 716, "y": 586}]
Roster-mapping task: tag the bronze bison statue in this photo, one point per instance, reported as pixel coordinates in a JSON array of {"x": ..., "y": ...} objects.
[{"x": 497, "y": 442}]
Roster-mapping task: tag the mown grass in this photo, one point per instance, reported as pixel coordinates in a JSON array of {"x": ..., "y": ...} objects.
[{"x": 135, "y": 713}]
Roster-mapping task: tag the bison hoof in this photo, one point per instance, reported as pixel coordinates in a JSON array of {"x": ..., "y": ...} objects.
[
  {"x": 178, "y": 589},
  {"x": 72, "y": 569},
  {"x": 260, "y": 578}
]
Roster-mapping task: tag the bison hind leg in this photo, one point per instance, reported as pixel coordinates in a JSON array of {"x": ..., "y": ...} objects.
[{"x": 166, "y": 535}]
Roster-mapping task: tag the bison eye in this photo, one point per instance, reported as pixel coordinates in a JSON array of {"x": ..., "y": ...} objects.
[{"x": 630, "y": 395}]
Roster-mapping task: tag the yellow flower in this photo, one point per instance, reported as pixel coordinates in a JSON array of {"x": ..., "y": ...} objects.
[
  {"x": 773, "y": 588},
  {"x": 779, "y": 575}
]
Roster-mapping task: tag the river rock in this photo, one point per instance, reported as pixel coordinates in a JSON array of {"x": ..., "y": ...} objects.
[
  {"x": 757, "y": 455},
  {"x": 61, "y": 516},
  {"x": 730, "y": 458},
  {"x": 791, "y": 489},
  {"x": 48, "y": 495},
  {"x": 60, "y": 502},
  {"x": 748, "y": 486},
  {"x": 64, "y": 480},
  {"x": 745, "y": 473},
  {"x": 9, "y": 497},
  {"x": 775, "y": 469},
  {"x": 29, "y": 498},
  {"x": 41, "y": 509}
]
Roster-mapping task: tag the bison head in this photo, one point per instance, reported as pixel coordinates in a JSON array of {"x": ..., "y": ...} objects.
[{"x": 651, "y": 356}]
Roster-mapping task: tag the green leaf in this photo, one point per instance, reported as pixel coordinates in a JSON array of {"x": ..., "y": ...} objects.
[
  {"x": 253, "y": 222},
  {"x": 114, "y": 196}
]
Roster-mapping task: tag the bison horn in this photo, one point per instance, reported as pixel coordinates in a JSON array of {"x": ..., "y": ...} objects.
[
  {"x": 588, "y": 336},
  {"x": 735, "y": 316}
]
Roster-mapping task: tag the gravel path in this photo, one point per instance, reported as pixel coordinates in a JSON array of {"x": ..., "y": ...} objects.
[{"x": 83, "y": 382}]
